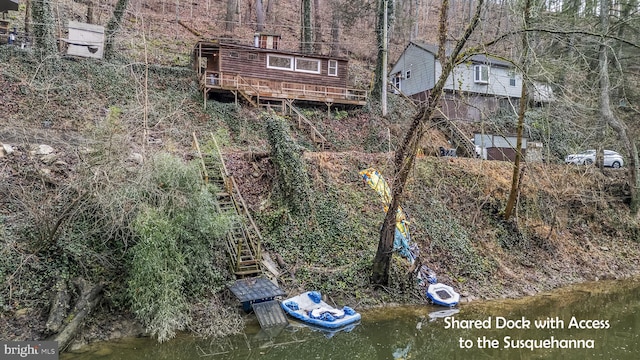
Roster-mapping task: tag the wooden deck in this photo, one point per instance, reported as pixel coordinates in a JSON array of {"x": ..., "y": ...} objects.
[{"x": 272, "y": 89}]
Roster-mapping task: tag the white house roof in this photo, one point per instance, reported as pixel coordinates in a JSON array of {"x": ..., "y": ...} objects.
[{"x": 476, "y": 58}]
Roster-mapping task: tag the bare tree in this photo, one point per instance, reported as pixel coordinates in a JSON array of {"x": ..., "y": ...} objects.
[
  {"x": 306, "y": 36},
  {"x": 113, "y": 26},
  {"x": 272, "y": 5},
  {"x": 406, "y": 153},
  {"x": 605, "y": 103},
  {"x": 317, "y": 25},
  {"x": 43, "y": 26},
  {"x": 89, "y": 4},
  {"x": 335, "y": 29},
  {"x": 27, "y": 18},
  {"x": 230, "y": 18},
  {"x": 259, "y": 16},
  {"x": 376, "y": 90},
  {"x": 515, "y": 178}
]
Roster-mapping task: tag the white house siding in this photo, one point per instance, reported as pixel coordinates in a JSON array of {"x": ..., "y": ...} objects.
[
  {"x": 464, "y": 99},
  {"x": 462, "y": 79},
  {"x": 422, "y": 65}
]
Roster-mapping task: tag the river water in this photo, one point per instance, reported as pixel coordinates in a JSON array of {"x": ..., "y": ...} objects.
[{"x": 598, "y": 320}]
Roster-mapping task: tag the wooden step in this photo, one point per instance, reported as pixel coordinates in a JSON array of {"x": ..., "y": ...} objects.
[
  {"x": 270, "y": 314},
  {"x": 247, "y": 272}
]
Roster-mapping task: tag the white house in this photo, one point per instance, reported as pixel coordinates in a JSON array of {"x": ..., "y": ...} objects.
[{"x": 476, "y": 88}]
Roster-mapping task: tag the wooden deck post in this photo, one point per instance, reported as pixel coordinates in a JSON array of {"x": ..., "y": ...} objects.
[{"x": 205, "y": 95}]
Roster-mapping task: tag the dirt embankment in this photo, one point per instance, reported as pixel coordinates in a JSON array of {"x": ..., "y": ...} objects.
[{"x": 572, "y": 224}]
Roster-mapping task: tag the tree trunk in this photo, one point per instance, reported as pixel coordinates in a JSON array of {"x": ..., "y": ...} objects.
[
  {"x": 272, "y": 5},
  {"x": 335, "y": 32},
  {"x": 90, "y": 16},
  {"x": 442, "y": 31},
  {"x": 43, "y": 26},
  {"x": 317, "y": 25},
  {"x": 230, "y": 18},
  {"x": 515, "y": 178},
  {"x": 259, "y": 16},
  {"x": 605, "y": 106},
  {"x": 90, "y": 296},
  {"x": 376, "y": 90},
  {"x": 89, "y": 4},
  {"x": 113, "y": 27},
  {"x": 306, "y": 38},
  {"x": 27, "y": 19},
  {"x": 406, "y": 153},
  {"x": 59, "y": 306}
]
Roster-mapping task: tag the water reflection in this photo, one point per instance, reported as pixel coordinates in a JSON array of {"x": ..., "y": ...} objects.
[{"x": 421, "y": 333}]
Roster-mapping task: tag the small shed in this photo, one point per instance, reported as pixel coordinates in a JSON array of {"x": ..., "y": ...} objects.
[
  {"x": 85, "y": 40},
  {"x": 498, "y": 147}
]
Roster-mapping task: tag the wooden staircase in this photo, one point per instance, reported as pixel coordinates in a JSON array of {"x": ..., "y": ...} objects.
[
  {"x": 464, "y": 146},
  {"x": 273, "y": 104},
  {"x": 459, "y": 140},
  {"x": 243, "y": 238},
  {"x": 306, "y": 125}
]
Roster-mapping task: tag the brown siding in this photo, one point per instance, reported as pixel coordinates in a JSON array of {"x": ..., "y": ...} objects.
[
  {"x": 256, "y": 67},
  {"x": 471, "y": 108},
  {"x": 503, "y": 154}
]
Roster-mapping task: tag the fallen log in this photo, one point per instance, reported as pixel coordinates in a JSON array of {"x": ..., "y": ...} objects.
[
  {"x": 191, "y": 30},
  {"x": 59, "y": 306},
  {"x": 90, "y": 296}
]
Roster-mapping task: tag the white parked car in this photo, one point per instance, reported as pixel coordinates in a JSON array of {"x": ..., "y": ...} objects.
[{"x": 588, "y": 157}]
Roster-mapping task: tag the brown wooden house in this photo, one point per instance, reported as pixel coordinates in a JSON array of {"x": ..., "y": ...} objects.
[{"x": 264, "y": 75}]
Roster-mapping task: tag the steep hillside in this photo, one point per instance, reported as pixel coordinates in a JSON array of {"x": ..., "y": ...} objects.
[{"x": 71, "y": 210}]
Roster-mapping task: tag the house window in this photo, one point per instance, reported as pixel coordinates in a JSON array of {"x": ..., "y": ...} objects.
[
  {"x": 396, "y": 82},
  {"x": 512, "y": 78},
  {"x": 279, "y": 62},
  {"x": 408, "y": 74},
  {"x": 308, "y": 65},
  {"x": 233, "y": 54},
  {"x": 481, "y": 74},
  {"x": 332, "y": 70},
  {"x": 252, "y": 56}
]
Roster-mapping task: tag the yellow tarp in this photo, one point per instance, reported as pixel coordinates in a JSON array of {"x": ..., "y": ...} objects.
[{"x": 373, "y": 178}]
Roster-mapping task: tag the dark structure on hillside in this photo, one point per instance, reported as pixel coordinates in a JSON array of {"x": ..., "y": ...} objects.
[{"x": 264, "y": 75}]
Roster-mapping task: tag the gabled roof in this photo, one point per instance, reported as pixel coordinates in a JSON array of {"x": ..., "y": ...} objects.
[
  {"x": 6, "y": 5},
  {"x": 476, "y": 58}
]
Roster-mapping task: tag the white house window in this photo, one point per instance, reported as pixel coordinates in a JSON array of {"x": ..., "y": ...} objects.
[
  {"x": 279, "y": 62},
  {"x": 408, "y": 74},
  {"x": 308, "y": 65},
  {"x": 332, "y": 69},
  {"x": 481, "y": 74},
  {"x": 396, "y": 83}
]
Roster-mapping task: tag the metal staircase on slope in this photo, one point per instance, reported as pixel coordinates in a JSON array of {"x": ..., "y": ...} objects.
[
  {"x": 306, "y": 125},
  {"x": 243, "y": 239}
]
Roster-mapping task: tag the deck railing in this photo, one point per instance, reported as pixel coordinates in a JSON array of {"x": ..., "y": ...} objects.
[{"x": 218, "y": 80}]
